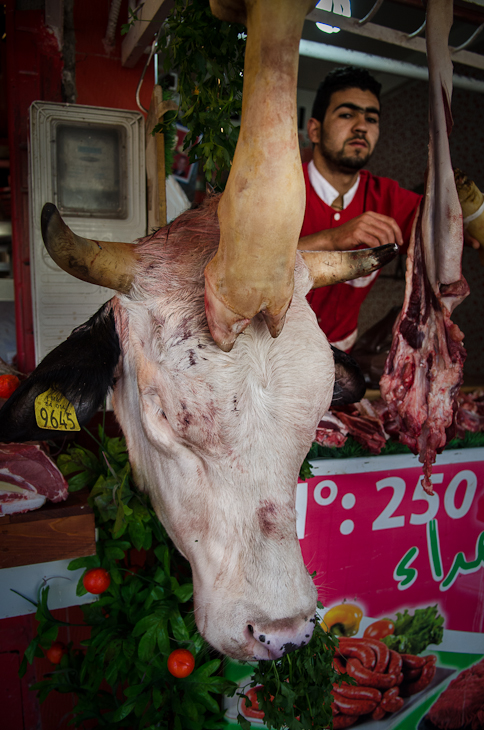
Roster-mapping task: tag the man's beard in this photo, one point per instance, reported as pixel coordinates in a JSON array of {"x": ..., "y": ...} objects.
[{"x": 342, "y": 162}]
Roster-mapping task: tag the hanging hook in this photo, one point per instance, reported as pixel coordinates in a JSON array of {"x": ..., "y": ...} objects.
[
  {"x": 418, "y": 31},
  {"x": 376, "y": 7},
  {"x": 469, "y": 40},
  {"x": 138, "y": 88}
]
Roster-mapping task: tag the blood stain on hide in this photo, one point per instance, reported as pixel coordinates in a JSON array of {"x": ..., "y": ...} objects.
[
  {"x": 191, "y": 358},
  {"x": 267, "y": 514}
]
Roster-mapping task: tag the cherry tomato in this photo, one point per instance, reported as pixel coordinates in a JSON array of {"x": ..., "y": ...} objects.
[
  {"x": 96, "y": 580},
  {"x": 379, "y": 629},
  {"x": 56, "y": 652},
  {"x": 8, "y": 384},
  {"x": 181, "y": 663}
]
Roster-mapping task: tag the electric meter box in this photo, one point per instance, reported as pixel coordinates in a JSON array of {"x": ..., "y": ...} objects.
[{"x": 90, "y": 162}]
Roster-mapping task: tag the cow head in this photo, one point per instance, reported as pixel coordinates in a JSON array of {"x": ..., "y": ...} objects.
[{"x": 215, "y": 438}]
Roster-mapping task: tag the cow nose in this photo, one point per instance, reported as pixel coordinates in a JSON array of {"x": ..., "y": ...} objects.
[{"x": 273, "y": 643}]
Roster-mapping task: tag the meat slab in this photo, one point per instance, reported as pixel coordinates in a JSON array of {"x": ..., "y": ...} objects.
[
  {"x": 461, "y": 705},
  {"x": 28, "y": 477},
  {"x": 423, "y": 371}
]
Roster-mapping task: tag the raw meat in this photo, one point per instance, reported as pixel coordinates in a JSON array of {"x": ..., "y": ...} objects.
[
  {"x": 331, "y": 431},
  {"x": 462, "y": 703},
  {"x": 423, "y": 371},
  {"x": 364, "y": 424},
  {"x": 28, "y": 477}
]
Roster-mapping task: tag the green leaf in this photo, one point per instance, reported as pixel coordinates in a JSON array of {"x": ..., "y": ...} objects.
[
  {"x": 243, "y": 722},
  {"x": 184, "y": 592},
  {"x": 147, "y": 645},
  {"x": 205, "y": 670},
  {"x": 123, "y": 711},
  {"x": 79, "y": 481},
  {"x": 92, "y": 561}
]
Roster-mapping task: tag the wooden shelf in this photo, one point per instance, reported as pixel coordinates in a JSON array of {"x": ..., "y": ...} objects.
[{"x": 59, "y": 531}]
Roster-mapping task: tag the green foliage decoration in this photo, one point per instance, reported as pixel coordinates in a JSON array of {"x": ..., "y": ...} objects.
[
  {"x": 120, "y": 677},
  {"x": 294, "y": 692},
  {"x": 208, "y": 55}
]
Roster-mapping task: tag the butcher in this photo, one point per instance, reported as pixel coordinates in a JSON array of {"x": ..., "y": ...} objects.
[{"x": 346, "y": 206}]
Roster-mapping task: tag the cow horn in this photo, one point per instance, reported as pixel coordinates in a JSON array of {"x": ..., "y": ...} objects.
[
  {"x": 333, "y": 267},
  {"x": 104, "y": 263}
]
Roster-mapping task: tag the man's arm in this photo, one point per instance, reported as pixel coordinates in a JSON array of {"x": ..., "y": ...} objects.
[{"x": 371, "y": 229}]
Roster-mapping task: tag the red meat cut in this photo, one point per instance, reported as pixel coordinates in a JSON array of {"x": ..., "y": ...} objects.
[
  {"x": 28, "y": 477},
  {"x": 461, "y": 705},
  {"x": 424, "y": 368}
]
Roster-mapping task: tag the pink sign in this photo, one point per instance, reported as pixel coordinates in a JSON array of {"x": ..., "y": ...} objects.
[{"x": 373, "y": 535}]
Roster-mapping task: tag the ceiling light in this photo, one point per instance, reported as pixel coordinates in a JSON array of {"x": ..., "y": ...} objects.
[{"x": 340, "y": 7}]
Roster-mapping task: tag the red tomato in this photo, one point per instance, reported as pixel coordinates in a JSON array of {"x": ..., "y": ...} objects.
[
  {"x": 96, "y": 580},
  {"x": 181, "y": 663},
  {"x": 56, "y": 652},
  {"x": 8, "y": 384},
  {"x": 379, "y": 629}
]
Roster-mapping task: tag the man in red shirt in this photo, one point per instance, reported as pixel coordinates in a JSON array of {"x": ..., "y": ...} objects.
[{"x": 346, "y": 206}]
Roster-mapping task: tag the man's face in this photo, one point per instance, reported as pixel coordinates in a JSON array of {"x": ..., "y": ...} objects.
[{"x": 350, "y": 130}]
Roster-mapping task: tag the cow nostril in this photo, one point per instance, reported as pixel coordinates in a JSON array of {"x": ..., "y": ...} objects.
[{"x": 251, "y": 629}]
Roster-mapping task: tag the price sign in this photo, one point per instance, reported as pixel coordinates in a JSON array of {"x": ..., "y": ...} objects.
[
  {"x": 54, "y": 412},
  {"x": 372, "y": 532}
]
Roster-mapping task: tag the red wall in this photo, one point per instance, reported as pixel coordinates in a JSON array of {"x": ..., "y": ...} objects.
[{"x": 100, "y": 78}]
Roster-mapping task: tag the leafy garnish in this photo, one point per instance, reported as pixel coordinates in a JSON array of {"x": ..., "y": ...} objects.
[
  {"x": 295, "y": 691},
  {"x": 414, "y": 633}
]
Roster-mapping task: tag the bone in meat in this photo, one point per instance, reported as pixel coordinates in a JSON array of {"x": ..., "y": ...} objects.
[{"x": 423, "y": 371}]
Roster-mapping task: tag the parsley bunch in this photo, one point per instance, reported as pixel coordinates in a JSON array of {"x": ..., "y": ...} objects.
[{"x": 296, "y": 689}]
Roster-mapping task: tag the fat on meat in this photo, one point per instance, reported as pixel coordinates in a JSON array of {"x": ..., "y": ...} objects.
[
  {"x": 424, "y": 368},
  {"x": 28, "y": 477}
]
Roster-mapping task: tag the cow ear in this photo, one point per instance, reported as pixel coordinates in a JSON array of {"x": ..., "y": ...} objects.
[
  {"x": 349, "y": 382},
  {"x": 68, "y": 386}
]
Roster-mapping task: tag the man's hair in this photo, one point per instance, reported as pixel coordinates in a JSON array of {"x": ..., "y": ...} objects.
[{"x": 349, "y": 77}]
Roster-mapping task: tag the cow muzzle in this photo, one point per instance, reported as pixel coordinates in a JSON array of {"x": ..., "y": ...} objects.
[{"x": 277, "y": 639}]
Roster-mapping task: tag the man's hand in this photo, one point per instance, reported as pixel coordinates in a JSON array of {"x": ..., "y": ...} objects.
[
  {"x": 471, "y": 241},
  {"x": 371, "y": 229}
]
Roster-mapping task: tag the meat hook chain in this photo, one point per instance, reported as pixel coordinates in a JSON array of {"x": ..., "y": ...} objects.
[
  {"x": 418, "y": 31},
  {"x": 470, "y": 40},
  {"x": 376, "y": 7}
]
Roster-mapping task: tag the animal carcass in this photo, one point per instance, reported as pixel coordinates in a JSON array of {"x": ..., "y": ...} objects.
[
  {"x": 215, "y": 437},
  {"x": 424, "y": 367}
]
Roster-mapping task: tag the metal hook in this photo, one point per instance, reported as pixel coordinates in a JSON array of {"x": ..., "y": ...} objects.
[
  {"x": 140, "y": 82},
  {"x": 376, "y": 7},
  {"x": 418, "y": 31},
  {"x": 469, "y": 40}
]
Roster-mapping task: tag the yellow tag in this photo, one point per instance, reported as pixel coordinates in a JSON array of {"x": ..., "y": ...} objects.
[{"x": 54, "y": 412}]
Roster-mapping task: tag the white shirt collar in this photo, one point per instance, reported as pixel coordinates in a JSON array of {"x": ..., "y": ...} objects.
[{"x": 325, "y": 190}]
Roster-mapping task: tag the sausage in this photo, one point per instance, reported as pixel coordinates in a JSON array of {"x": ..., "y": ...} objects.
[
  {"x": 357, "y": 693},
  {"x": 352, "y": 706},
  {"x": 359, "y": 649},
  {"x": 367, "y": 678},
  {"x": 391, "y": 702},
  {"x": 378, "y": 713},
  {"x": 411, "y": 688},
  {"x": 395, "y": 664},
  {"x": 410, "y": 661},
  {"x": 341, "y": 721},
  {"x": 411, "y": 675},
  {"x": 338, "y": 665},
  {"x": 382, "y": 654}
]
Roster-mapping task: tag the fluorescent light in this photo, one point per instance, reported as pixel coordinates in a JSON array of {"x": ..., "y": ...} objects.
[{"x": 340, "y": 7}]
